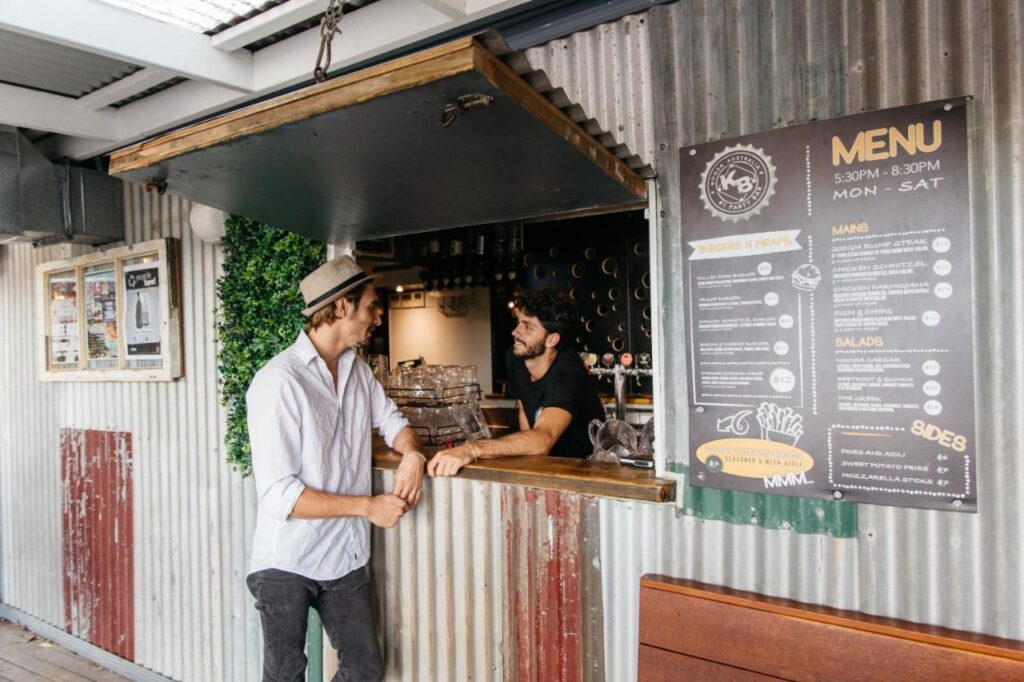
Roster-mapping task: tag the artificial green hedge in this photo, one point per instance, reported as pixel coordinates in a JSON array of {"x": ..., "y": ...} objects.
[{"x": 260, "y": 313}]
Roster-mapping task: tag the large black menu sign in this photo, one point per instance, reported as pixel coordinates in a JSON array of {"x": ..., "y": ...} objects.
[{"x": 829, "y": 326}]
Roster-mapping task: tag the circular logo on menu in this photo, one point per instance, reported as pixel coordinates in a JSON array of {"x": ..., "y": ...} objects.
[{"x": 737, "y": 183}]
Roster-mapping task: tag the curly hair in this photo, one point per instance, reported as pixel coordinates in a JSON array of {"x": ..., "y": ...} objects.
[{"x": 554, "y": 309}]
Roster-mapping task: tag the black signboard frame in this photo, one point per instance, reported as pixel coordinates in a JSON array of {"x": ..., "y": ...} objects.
[{"x": 829, "y": 320}]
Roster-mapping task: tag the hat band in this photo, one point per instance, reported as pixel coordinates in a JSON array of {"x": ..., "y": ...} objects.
[{"x": 341, "y": 287}]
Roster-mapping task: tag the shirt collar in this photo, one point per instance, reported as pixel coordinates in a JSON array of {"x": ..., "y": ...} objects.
[
  {"x": 305, "y": 349},
  {"x": 307, "y": 352}
]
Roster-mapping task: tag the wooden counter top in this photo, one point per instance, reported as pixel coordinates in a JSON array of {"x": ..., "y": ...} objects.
[{"x": 554, "y": 473}]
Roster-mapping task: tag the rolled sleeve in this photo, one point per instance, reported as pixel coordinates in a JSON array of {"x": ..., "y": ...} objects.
[
  {"x": 384, "y": 414},
  {"x": 275, "y": 435}
]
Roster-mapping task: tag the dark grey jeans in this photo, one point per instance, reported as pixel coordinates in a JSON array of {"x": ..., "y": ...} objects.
[{"x": 283, "y": 600}]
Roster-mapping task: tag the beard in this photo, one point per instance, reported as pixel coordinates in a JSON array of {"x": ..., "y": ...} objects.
[
  {"x": 364, "y": 340},
  {"x": 527, "y": 352}
]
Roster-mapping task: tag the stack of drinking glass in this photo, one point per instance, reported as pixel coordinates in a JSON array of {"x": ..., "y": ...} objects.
[{"x": 441, "y": 402}]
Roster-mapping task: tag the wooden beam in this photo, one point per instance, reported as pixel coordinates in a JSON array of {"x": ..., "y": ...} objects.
[{"x": 422, "y": 67}]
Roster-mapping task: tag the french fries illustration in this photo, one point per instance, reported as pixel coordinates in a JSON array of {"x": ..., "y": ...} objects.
[{"x": 779, "y": 424}]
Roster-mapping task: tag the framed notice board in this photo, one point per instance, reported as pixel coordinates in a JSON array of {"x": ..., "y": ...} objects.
[
  {"x": 112, "y": 316},
  {"x": 829, "y": 326}
]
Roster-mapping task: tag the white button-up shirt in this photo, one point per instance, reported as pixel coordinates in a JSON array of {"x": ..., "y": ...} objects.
[{"x": 305, "y": 432}]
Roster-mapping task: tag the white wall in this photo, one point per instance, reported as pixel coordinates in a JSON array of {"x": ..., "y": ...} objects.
[{"x": 445, "y": 340}]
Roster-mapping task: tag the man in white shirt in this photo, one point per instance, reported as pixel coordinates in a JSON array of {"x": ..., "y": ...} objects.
[{"x": 310, "y": 414}]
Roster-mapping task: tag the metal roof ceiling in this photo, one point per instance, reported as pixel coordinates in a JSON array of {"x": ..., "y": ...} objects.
[
  {"x": 202, "y": 16},
  {"x": 50, "y": 67},
  {"x": 98, "y": 74}
]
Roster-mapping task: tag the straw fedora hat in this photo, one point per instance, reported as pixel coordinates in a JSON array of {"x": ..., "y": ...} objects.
[{"x": 330, "y": 281}]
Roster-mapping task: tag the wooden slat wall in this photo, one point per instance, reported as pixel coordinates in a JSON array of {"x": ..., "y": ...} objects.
[{"x": 711, "y": 632}]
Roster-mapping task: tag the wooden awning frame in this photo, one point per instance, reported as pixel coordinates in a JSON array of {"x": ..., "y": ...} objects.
[{"x": 445, "y": 60}]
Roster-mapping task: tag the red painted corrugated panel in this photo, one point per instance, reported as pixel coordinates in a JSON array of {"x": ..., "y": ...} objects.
[
  {"x": 543, "y": 540},
  {"x": 96, "y": 469}
]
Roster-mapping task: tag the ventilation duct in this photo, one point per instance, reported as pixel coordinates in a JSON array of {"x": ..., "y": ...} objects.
[{"x": 43, "y": 202}]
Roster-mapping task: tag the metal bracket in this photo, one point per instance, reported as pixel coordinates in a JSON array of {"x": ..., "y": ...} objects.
[
  {"x": 159, "y": 185},
  {"x": 463, "y": 104}
]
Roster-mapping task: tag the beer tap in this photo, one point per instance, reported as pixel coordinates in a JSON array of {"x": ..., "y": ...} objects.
[{"x": 619, "y": 369}]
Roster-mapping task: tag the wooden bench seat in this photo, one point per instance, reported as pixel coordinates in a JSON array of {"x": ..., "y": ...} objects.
[{"x": 691, "y": 630}]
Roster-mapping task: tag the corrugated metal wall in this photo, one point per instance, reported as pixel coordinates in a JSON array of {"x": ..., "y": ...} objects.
[
  {"x": 484, "y": 581},
  {"x": 607, "y": 71},
  {"x": 193, "y": 516},
  {"x": 439, "y": 578},
  {"x": 729, "y": 68},
  {"x": 639, "y": 538},
  {"x": 30, "y": 483}
]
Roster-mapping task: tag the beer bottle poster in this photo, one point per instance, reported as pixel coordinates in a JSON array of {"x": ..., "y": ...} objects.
[
  {"x": 142, "y": 311},
  {"x": 829, "y": 328}
]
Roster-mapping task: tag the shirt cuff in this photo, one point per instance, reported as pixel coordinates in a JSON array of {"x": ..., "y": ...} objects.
[{"x": 281, "y": 502}]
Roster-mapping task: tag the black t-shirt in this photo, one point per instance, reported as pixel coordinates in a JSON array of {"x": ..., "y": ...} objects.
[{"x": 567, "y": 385}]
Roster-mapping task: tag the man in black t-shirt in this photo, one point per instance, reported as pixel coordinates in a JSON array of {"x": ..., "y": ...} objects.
[{"x": 557, "y": 396}]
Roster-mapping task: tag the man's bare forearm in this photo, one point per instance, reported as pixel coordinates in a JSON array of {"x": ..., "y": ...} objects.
[
  {"x": 524, "y": 443},
  {"x": 316, "y": 504},
  {"x": 406, "y": 441}
]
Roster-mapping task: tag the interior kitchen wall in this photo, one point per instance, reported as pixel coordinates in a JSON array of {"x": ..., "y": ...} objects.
[{"x": 442, "y": 340}]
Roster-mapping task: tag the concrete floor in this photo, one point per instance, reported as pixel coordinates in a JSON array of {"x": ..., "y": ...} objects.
[{"x": 25, "y": 656}]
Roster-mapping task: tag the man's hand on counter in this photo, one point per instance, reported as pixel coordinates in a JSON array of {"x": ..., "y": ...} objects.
[
  {"x": 409, "y": 477},
  {"x": 448, "y": 462}
]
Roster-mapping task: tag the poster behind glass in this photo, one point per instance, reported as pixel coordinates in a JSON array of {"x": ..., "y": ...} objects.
[
  {"x": 62, "y": 296},
  {"x": 101, "y": 317},
  {"x": 142, "y": 322}
]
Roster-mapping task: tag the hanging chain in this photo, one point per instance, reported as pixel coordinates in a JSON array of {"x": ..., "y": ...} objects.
[{"x": 328, "y": 27}]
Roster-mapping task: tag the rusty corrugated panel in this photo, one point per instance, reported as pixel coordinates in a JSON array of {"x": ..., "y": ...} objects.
[
  {"x": 555, "y": 613},
  {"x": 96, "y": 467},
  {"x": 543, "y": 584}
]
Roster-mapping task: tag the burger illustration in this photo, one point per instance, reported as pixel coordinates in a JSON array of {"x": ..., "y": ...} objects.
[{"x": 806, "y": 277}]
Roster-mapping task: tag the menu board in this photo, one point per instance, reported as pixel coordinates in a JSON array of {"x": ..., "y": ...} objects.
[{"x": 829, "y": 330}]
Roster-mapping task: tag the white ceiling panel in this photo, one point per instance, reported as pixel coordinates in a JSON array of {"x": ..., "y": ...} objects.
[
  {"x": 33, "y": 63},
  {"x": 201, "y": 16}
]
